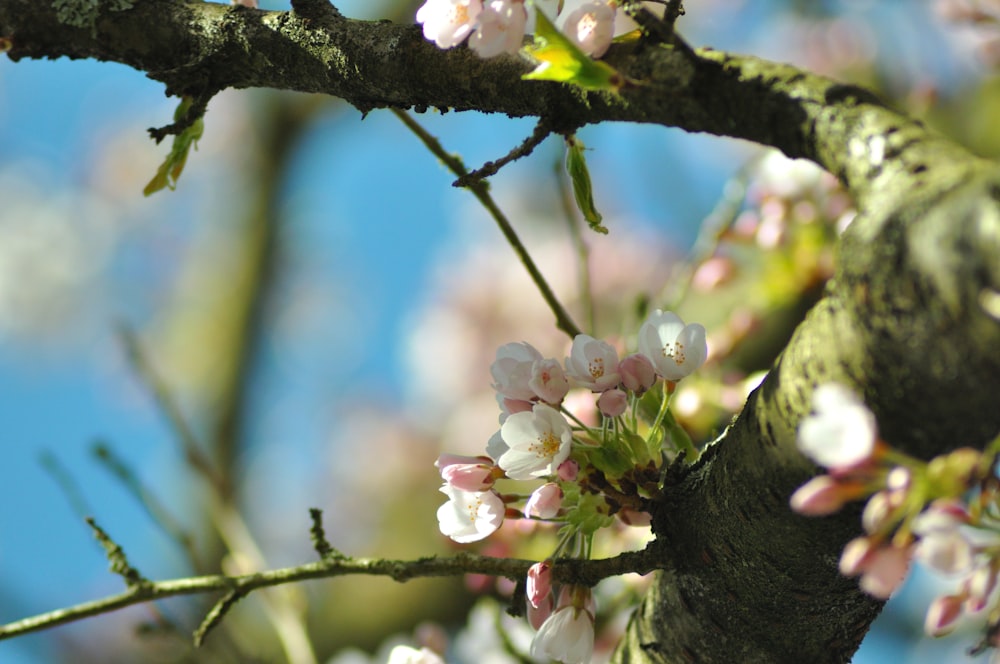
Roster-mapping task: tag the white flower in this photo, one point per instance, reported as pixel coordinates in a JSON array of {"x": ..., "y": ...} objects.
[
  {"x": 448, "y": 22},
  {"x": 408, "y": 655},
  {"x": 590, "y": 26},
  {"x": 566, "y": 636},
  {"x": 548, "y": 381},
  {"x": 943, "y": 544},
  {"x": 501, "y": 28},
  {"x": 470, "y": 516},
  {"x": 537, "y": 441},
  {"x": 675, "y": 349},
  {"x": 593, "y": 364},
  {"x": 513, "y": 370},
  {"x": 841, "y": 431}
]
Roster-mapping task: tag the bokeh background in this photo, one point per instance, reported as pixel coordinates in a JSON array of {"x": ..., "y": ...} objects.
[{"x": 323, "y": 306}]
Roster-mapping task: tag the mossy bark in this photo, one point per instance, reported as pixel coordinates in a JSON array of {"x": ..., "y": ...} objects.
[{"x": 905, "y": 321}]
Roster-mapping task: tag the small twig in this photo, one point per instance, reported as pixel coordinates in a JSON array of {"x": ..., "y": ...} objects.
[
  {"x": 580, "y": 572},
  {"x": 479, "y": 189},
  {"x": 197, "y": 110},
  {"x": 318, "y": 536},
  {"x": 116, "y": 556},
  {"x": 68, "y": 485},
  {"x": 154, "y": 508},
  {"x": 215, "y": 616},
  {"x": 541, "y": 132},
  {"x": 168, "y": 406}
]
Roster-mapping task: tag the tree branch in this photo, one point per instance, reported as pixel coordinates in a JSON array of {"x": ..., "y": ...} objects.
[{"x": 584, "y": 572}]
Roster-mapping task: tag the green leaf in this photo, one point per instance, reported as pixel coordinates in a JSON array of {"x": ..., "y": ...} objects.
[
  {"x": 583, "y": 191},
  {"x": 170, "y": 170},
  {"x": 562, "y": 60}
]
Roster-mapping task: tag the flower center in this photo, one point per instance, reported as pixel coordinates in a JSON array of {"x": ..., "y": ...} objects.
[
  {"x": 548, "y": 445},
  {"x": 596, "y": 367},
  {"x": 675, "y": 351},
  {"x": 586, "y": 26}
]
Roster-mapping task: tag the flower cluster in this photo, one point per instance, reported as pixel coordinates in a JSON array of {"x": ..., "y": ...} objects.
[
  {"x": 589, "y": 465},
  {"x": 493, "y": 27},
  {"x": 944, "y": 513}
]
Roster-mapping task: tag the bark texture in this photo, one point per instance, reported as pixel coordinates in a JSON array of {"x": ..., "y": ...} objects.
[{"x": 910, "y": 320}]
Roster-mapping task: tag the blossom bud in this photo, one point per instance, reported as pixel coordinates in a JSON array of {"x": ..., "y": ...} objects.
[
  {"x": 819, "y": 496},
  {"x": 942, "y": 614},
  {"x": 544, "y": 502},
  {"x": 638, "y": 374},
  {"x": 568, "y": 470},
  {"x": 612, "y": 403},
  {"x": 539, "y": 585}
]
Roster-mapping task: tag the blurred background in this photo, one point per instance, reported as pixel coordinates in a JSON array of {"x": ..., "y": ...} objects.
[{"x": 320, "y": 307}]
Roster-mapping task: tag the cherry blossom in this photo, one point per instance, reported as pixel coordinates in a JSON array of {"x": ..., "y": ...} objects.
[
  {"x": 593, "y": 364},
  {"x": 942, "y": 544},
  {"x": 501, "y": 28},
  {"x": 822, "y": 495},
  {"x": 841, "y": 432},
  {"x": 548, "y": 381},
  {"x": 544, "y": 502},
  {"x": 590, "y": 26},
  {"x": 568, "y": 634},
  {"x": 676, "y": 350},
  {"x": 408, "y": 655},
  {"x": 882, "y": 568},
  {"x": 638, "y": 374},
  {"x": 612, "y": 403},
  {"x": 467, "y": 473},
  {"x": 537, "y": 441},
  {"x": 539, "y": 584},
  {"x": 943, "y": 614},
  {"x": 470, "y": 516},
  {"x": 513, "y": 370},
  {"x": 448, "y": 22}
]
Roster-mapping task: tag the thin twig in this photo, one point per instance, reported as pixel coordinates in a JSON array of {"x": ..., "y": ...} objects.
[
  {"x": 156, "y": 510},
  {"x": 580, "y": 572},
  {"x": 541, "y": 132},
  {"x": 168, "y": 406},
  {"x": 479, "y": 189}
]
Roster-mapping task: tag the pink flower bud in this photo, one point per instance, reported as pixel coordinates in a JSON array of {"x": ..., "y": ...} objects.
[
  {"x": 612, "y": 403},
  {"x": 819, "y": 496},
  {"x": 539, "y": 585},
  {"x": 468, "y": 476},
  {"x": 882, "y": 568},
  {"x": 854, "y": 556},
  {"x": 942, "y": 614},
  {"x": 638, "y": 374},
  {"x": 568, "y": 470},
  {"x": 544, "y": 502}
]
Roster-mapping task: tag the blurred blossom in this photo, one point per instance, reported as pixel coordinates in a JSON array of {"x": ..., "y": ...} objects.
[{"x": 54, "y": 250}]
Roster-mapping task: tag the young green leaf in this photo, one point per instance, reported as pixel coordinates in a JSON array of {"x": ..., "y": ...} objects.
[
  {"x": 562, "y": 60},
  {"x": 171, "y": 168},
  {"x": 583, "y": 191}
]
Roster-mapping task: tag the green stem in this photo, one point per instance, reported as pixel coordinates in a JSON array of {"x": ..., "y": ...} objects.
[{"x": 480, "y": 190}]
